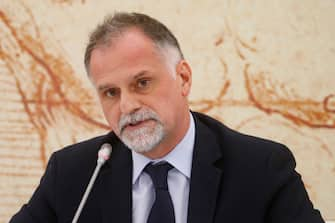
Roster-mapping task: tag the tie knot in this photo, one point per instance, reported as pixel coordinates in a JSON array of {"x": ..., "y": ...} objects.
[{"x": 158, "y": 173}]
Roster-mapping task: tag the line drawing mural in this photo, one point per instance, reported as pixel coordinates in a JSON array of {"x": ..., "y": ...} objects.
[{"x": 47, "y": 105}]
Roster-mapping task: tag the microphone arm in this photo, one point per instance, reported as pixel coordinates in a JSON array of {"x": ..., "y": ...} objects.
[{"x": 103, "y": 156}]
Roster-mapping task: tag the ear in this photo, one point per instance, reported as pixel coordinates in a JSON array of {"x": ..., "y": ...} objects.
[{"x": 184, "y": 73}]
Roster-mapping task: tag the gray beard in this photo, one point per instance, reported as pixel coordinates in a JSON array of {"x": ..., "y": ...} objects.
[{"x": 144, "y": 139}]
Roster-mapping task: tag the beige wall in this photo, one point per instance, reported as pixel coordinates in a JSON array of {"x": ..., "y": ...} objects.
[{"x": 263, "y": 67}]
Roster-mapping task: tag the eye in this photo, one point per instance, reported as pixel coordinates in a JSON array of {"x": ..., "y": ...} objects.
[
  {"x": 143, "y": 83},
  {"x": 111, "y": 93}
]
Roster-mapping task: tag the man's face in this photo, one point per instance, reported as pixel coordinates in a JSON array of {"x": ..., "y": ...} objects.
[{"x": 144, "y": 103}]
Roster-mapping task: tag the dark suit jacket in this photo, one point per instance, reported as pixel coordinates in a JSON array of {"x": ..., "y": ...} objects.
[{"x": 235, "y": 178}]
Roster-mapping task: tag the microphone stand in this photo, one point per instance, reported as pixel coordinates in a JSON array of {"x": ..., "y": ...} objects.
[{"x": 103, "y": 156}]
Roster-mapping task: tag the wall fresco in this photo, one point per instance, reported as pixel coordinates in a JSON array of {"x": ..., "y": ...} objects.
[{"x": 262, "y": 68}]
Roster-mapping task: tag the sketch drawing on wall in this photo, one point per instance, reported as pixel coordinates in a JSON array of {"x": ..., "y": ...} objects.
[{"x": 46, "y": 104}]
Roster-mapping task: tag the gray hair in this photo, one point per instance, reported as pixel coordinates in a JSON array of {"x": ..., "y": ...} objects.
[{"x": 114, "y": 25}]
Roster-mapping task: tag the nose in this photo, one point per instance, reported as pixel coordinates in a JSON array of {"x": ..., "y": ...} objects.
[{"x": 129, "y": 103}]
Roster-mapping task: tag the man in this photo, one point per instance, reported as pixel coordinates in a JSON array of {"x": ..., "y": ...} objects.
[{"x": 211, "y": 173}]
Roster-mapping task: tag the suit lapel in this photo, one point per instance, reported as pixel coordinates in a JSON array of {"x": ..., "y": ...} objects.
[
  {"x": 205, "y": 177},
  {"x": 116, "y": 180}
]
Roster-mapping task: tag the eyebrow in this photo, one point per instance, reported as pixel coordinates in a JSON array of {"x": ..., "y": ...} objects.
[
  {"x": 104, "y": 87},
  {"x": 135, "y": 77},
  {"x": 140, "y": 74}
]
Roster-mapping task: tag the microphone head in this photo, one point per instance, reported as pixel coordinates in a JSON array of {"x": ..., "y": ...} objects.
[{"x": 104, "y": 152}]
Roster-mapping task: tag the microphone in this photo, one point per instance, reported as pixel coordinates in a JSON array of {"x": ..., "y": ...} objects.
[{"x": 103, "y": 155}]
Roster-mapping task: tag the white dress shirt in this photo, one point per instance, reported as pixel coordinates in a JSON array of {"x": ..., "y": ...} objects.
[{"x": 178, "y": 179}]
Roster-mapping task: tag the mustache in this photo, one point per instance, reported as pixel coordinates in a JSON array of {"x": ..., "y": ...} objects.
[{"x": 138, "y": 116}]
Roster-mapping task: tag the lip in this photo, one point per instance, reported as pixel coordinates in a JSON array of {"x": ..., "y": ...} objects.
[{"x": 138, "y": 125}]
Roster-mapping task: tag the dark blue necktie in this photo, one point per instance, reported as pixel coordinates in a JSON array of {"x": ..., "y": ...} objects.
[{"x": 162, "y": 209}]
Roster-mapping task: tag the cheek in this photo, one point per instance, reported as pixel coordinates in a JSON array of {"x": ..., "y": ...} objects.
[
  {"x": 166, "y": 107},
  {"x": 111, "y": 115}
]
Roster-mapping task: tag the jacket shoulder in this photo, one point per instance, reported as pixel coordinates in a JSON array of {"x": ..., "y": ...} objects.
[
  {"x": 237, "y": 145},
  {"x": 82, "y": 148}
]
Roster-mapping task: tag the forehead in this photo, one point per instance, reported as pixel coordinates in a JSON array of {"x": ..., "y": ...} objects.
[
  {"x": 128, "y": 53},
  {"x": 131, "y": 43}
]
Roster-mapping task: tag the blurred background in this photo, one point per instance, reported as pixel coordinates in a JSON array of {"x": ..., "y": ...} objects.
[{"x": 264, "y": 68}]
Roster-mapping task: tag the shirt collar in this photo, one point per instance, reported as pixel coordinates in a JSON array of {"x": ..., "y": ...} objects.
[{"x": 180, "y": 157}]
